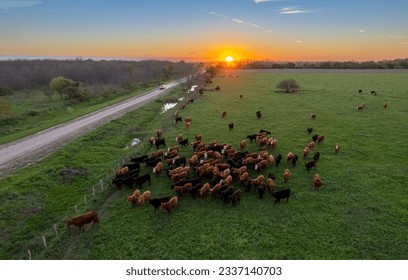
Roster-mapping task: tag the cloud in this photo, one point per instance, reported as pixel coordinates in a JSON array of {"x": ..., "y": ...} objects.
[
  {"x": 5, "y": 6},
  {"x": 239, "y": 21},
  {"x": 269, "y": 31},
  {"x": 361, "y": 30},
  {"x": 217, "y": 14},
  {"x": 299, "y": 42},
  {"x": 263, "y": 1},
  {"x": 292, "y": 10}
]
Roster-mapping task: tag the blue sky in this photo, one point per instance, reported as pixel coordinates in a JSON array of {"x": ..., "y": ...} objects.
[{"x": 277, "y": 30}]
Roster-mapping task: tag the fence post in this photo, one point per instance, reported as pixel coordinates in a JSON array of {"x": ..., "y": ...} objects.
[
  {"x": 56, "y": 231},
  {"x": 29, "y": 254},
  {"x": 45, "y": 242}
]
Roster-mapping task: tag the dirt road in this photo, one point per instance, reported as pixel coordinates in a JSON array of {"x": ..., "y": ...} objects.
[{"x": 30, "y": 149}]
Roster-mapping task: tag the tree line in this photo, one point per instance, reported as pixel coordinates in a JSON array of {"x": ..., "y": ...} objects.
[
  {"x": 30, "y": 74},
  {"x": 267, "y": 64}
]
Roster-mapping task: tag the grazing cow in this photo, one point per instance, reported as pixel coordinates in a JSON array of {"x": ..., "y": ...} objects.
[
  {"x": 271, "y": 185},
  {"x": 251, "y": 137},
  {"x": 278, "y": 195},
  {"x": 158, "y": 168},
  {"x": 317, "y": 181},
  {"x": 188, "y": 124},
  {"x": 261, "y": 166},
  {"x": 188, "y": 119},
  {"x": 151, "y": 141},
  {"x": 311, "y": 145},
  {"x": 160, "y": 142},
  {"x": 157, "y": 154},
  {"x": 184, "y": 142},
  {"x": 309, "y": 130},
  {"x": 294, "y": 160},
  {"x": 231, "y": 126},
  {"x": 258, "y": 114},
  {"x": 306, "y": 151},
  {"x": 271, "y": 159},
  {"x": 170, "y": 205},
  {"x": 385, "y": 105},
  {"x": 133, "y": 198},
  {"x": 316, "y": 156},
  {"x": 278, "y": 159},
  {"x": 159, "y": 133},
  {"x": 156, "y": 202},
  {"x": 145, "y": 197},
  {"x": 360, "y": 91},
  {"x": 313, "y": 116},
  {"x": 261, "y": 190},
  {"x": 289, "y": 156},
  {"x": 224, "y": 114},
  {"x": 178, "y": 119},
  {"x": 178, "y": 177},
  {"x": 320, "y": 138},
  {"x": 133, "y": 166},
  {"x": 314, "y": 137},
  {"x": 195, "y": 190},
  {"x": 180, "y": 190},
  {"x": 217, "y": 88},
  {"x": 152, "y": 162},
  {"x": 205, "y": 189},
  {"x": 286, "y": 175},
  {"x": 122, "y": 171},
  {"x": 311, "y": 164},
  {"x": 272, "y": 176},
  {"x": 336, "y": 148},
  {"x": 81, "y": 220},
  {"x": 139, "y": 159},
  {"x": 243, "y": 144},
  {"x": 235, "y": 198},
  {"x": 139, "y": 181},
  {"x": 241, "y": 96},
  {"x": 360, "y": 107}
]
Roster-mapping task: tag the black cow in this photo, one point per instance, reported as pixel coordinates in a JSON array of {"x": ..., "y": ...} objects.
[
  {"x": 261, "y": 190},
  {"x": 314, "y": 137},
  {"x": 216, "y": 148},
  {"x": 311, "y": 164},
  {"x": 194, "y": 190},
  {"x": 251, "y": 137},
  {"x": 258, "y": 114},
  {"x": 177, "y": 119},
  {"x": 160, "y": 142},
  {"x": 278, "y": 195},
  {"x": 231, "y": 126},
  {"x": 235, "y": 197},
  {"x": 264, "y": 131},
  {"x": 183, "y": 142},
  {"x": 309, "y": 130},
  {"x": 272, "y": 176},
  {"x": 224, "y": 195},
  {"x": 140, "y": 159},
  {"x": 139, "y": 181},
  {"x": 360, "y": 91},
  {"x": 278, "y": 159},
  {"x": 294, "y": 160},
  {"x": 316, "y": 156},
  {"x": 156, "y": 202},
  {"x": 132, "y": 166},
  {"x": 180, "y": 161},
  {"x": 152, "y": 162}
]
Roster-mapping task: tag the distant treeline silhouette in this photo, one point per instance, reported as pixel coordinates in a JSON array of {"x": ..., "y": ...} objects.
[
  {"x": 29, "y": 74},
  {"x": 267, "y": 64}
]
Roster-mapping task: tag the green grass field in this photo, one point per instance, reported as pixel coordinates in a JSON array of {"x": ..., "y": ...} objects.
[{"x": 360, "y": 213}]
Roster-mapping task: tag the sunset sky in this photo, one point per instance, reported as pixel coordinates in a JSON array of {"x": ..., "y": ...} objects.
[{"x": 282, "y": 30}]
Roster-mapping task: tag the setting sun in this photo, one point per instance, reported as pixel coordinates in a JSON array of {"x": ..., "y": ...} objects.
[{"x": 229, "y": 59}]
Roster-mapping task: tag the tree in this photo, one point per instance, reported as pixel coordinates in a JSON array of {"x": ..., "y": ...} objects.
[
  {"x": 69, "y": 89},
  {"x": 289, "y": 85}
]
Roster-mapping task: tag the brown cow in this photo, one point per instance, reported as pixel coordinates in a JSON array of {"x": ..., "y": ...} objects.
[
  {"x": 286, "y": 175},
  {"x": 145, "y": 197},
  {"x": 313, "y": 115},
  {"x": 224, "y": 114},
  {"x": 180, "y": 190},
  {"x": 385, "y": 105},
  {"x": 133, "y": 198},
  {"x": 317, "y": 181},
  {"x": 170, "y": 205},
  {"x": 336, "y": 148},
  {"x": 271, "y": 185},
  {"x": 205, "y": 189},
  {"x": 81, "y": 220},
  {"x": 320, "y": 138},
  {"x": 122, "y": 171},
  {"x": 158, "y": 168},
  {"x": 243, "y": 144}
]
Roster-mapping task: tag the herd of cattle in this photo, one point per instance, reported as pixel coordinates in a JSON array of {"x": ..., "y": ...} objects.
[{"x": 217, "y": 170}]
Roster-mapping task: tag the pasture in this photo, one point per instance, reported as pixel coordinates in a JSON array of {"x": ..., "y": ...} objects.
[{"x": 359, "y": 213}]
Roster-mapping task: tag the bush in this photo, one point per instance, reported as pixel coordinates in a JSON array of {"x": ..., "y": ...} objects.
[{"x": 289, "y": 85}]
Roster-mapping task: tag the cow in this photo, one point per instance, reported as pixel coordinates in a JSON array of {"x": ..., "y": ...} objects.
[
  {"x": 261, "y": 190},
  {"x": 132, "y": 166},
  {"x": 289, "y": 156},
  {"x": 156, "y": 202},
  {"x": 180, "y": 161},
  {"x": 251, "y": 137},
  {"x": 159, "y": 142},
  {"x": 294, "y": 160},
  {"x": 261, "y": 166},
  {"x": 158, "y": 168},
  {"x": 133, "y": 198},
  {"x": 145, "y": 197},
  {"x": 179, "y": 176},
  {"x": 139, "y": 159},
  {"x": 231, "y": 126},
  {"x": 205, "y": 189},
  {"x": 311, "y": 145},
  {"x": 122, "y": 171},
  {"x": 320, "y": 138},
  {"x": 264, "y": 131},
  {"x": 317, "y": 181},
  {"x": 306, "y": 151},
  {"x": 278, "y": 195},
  {"x": 313, "y": 116},
  {"x": 152, "y": 161},
  {"x": 316, "y": 156},
  {"x": 188, "y": 124},
  {"x": 177, "y": 119},
  {"x": 258, "y": 114},
  {"x": 271, "y": 185},
  {"x": 81, "y": 220},
  {"x": 311, "y": 164},
  {"x": 241, "y": 96},
  {"x": 183, "y": 142},
  {"x": 188, "y": 119},
  {"x": 170, "y": 205},
  {"x": 286, "y": 175},
  {"x": 309, "y": 130},
  {"x": 180, "y": 190},
  {"x": 224, "y": 195},
  {"x": 336, "y": 148},
  {"x": 224, "y": 114},
  {"x": 385, "y": 105},
  {"x": 157, "y": 154},
  {"x": 360, "y": 91},
  {"x": 314, "y": 137},
  {"x": 159, "y": 133},
  {"x": 139, "y": 181},
  {"x": 235, "y": 198},
  {"x": 278, "y": 159}
]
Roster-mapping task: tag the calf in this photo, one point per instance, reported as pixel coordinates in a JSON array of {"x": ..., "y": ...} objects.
[
  {"x": 156, "y": 202},
  {"x": 170, "y": 205},
  {"x": 81, "y": 220},
  {"x": 278, "y": 195}
]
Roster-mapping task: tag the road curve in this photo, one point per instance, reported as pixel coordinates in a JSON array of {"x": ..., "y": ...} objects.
[{"x": 26, "y": 151}]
